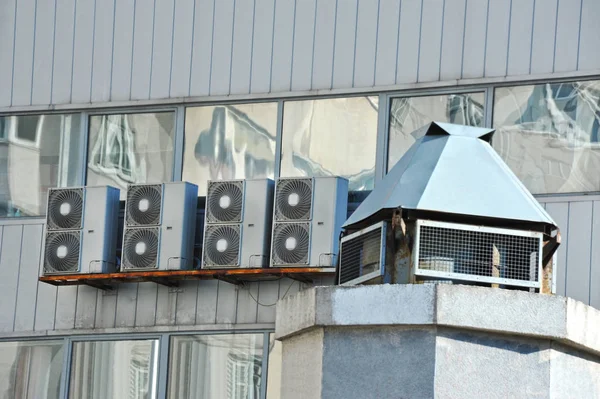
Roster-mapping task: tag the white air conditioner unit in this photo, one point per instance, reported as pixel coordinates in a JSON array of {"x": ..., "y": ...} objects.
[
  {"x": 237, "y": 227},
  {"x": 363, "y": 256},
  {"x": 478, "y": 254},
  {"x": 160, "y": 222},
  {"x": 308, "y": 213},
  {"x": 81, "y": 230}
]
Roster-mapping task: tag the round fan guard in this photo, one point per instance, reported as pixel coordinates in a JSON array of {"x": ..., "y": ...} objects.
[
  {"x": 65, "y": 208},
  {"x": 143, "y": 205},
  {"x": 294, "y": 199},
  {"x": 225, "y": 201},
  {"x": 290, "y": 243},
  {"x": 221, "y": 246},
  {"x": 140, "y": 249},
  {"x": 62, "y": 252}
]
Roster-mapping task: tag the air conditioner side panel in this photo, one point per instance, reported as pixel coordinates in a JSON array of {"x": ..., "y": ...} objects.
[{"x": 256, "y": 229}]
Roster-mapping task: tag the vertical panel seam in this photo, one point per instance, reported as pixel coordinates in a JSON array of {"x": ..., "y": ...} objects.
[
  {"x": 442, "y": 39},
  {"x": 98, "y": 293},
  {"x": 462, "y": 57},
  {"x": 312, "y": 63},
  {"x": 37, "y": 283},
  {"x": 172, "y": 45},
  {"x": 419, "y": 41},
  {"x": 196, "y": 305},
  {"x": 212, "y": 45},
  {"x": 532, "y": 37},
  {"x": 487, "y": 24},
  {"x": 293, "y": 45},
  {"x": 508, "y": 36},
  {"x": 334, "y": 41},
  {"x": 18, "y": 281},
  {"x": 218, "y": 285},
  {"x": 75, "y": 310},
  {"x": 53, "y": 56},
  {"x": 114, "y": 323},
  {"x": 252, "y": 46},
  {"x": 579, "y": 34},
  {"x": 33, "y": 57},
  {"x": 398, "y": 41},
  {"x": 232, "y": 46},
  {"x": 377, "y": 40},
  {"x": 73, "y": 51},
  {"x": 256, "y": 304},
  {"x": 112, "y": 50},
  {"x": 355, "y": 39},
  {"x": 152, "y": 49},
  {"x": 591, "y": 253},
  {"x": 93, "y": 49},
  {"x": 132, "y": 46},
  {"x": 137, "y": 295},
  {"x": 555, "y": 36},
  {"x": 272, "y": 52},
  {"x": 12, "y": 78},
  {"x": 192, "y": 49},
  {"x": 567, "y": 249}
]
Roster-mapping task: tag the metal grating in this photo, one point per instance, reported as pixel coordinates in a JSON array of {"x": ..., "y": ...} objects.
[
  {"x": 361, "y": 255},
  {"x": 293, "y": 199},
  {"x": 143, "y": 205},
  {"x": 222, "y": 245},
  {"x": 62, "y": 251},
  {"x": 479, "y": 254},
  {"x": 140, "y": 248},
  {"x": 291, "y": 244},
  {"x": 224, "y": 201},
  {"x": 65, "y": 209}
]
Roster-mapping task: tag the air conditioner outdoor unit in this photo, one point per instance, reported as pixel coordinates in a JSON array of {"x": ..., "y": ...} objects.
[
  {"x": 363, "y": 256},
  {"x": 160, "y": 222},
  {"x": 81, "y": 230},
  {"x": 237, "y": 228},
  {"x": 308, "y": 218}
]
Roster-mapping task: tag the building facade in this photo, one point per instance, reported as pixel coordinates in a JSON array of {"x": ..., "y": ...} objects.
[{"x": 136, "y": 91}]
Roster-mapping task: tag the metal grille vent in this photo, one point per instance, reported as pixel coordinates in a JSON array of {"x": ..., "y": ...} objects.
[
  {"x": 362, "y": 254},
  {"x": 140, "y": 248},
  {"x": 293, "y": 199},
  {"x": 222, "y": 246},
  {"x": 478, "y": 254},
  {"x": 62, "y": 252},
  {"x": 143, "y": 205},
  {"x": 65, "y": 209},
  {"x": 290, "y": 244},
  {"x": 224, "y": 202}
]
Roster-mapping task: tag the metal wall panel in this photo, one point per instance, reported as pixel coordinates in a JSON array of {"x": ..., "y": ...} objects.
[
  {"x": 588, "y": 54},
  {"x": 578, "y": 249},
  {"x": 325, "y": 32},
  {"x": 220, "y": 68},
  {"x": 409, "y": 37},
  {"x": 10, "y": 241},
  {"x": 7, "y": 42},
  {"x": 143, "y": 36},
  {"x": 25, "y": 307},
  {"x": 102, "y": 50},
  {"x": 344, "y": 45},
  {"x": 519, "y": 46},
  {"x": 63, "y": 51},
  {"x": 387, "y": 42},
  {"x": 543, "y": 38},
  {"x": 122, "y": 50},
  {"x": 23, "y": 51},
  {"x": 560, "y": 213},
  {"x": 83, "y": 48},
  {"x": 262, "y": 46},
  {"x": 474, "y": 48},
  {"x": 160, "y": 70},
  {"x": 241, "y": 50},
  {"x": 283, "y": 44},
  {"x": 452, "y": 39},
  {"x": 183, "y": 31},
  {"x": 304, "y": 41},
  {"x": 202, "y": 49},
  {"x": 567, "y": 36},
  {"x": 497, "y": 37},
  {"x": 41, "y": 86},
  {"x": 432, "y": 24},
  {"x": 595, "y": 257}
]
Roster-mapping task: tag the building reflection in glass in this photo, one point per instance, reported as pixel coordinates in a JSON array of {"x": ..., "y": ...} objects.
[{"x": 234, "y": 141}]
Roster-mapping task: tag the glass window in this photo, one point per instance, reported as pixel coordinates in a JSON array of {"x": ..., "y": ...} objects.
[
  {"x": 229, "y": 142},
  {"x": 549, "y": 135},
  {"x": 274, "y": 368},
  {"x": 37, "y": 152},
  {"x": 216, "y": 366},
  {"x": 31, "y": 369},
  {"x": 114, "y": 369},
  {"x": 336, "y": 136},
  {"x": 408, "y": 114},
  {"x": 130, "y": 148}
]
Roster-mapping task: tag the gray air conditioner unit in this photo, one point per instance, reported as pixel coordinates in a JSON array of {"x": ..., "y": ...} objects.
[
  {"x": 308, "y": 213},
  {"x": 363, "y": 256},
  {"x": 81, "y": 230},
  {"x": 478, "y": 254},
  {"x": 160, "y": 222},
  {"x": 237, "y": 226}
]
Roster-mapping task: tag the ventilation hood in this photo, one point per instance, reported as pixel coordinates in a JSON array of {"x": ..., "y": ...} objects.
[{"x": 453, "y": 170}]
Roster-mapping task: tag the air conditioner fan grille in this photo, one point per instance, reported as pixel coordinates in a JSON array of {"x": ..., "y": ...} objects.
[
  {"x": 293, "y": 199},
  {"x": 221, "y": 246},
  {"x": 291, "y": 243},
  {"x": 224, "y": 202},
  {"x": 65, "y": 209},
  {"x": 143, "y": 205},
  {"x": 62, "y": 251},
  {"x": 140, "y": 248}
]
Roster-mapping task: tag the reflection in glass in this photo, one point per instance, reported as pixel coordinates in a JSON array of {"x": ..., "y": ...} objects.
[
  {"x": 114, "y": 369},
  {"x": 408, "y": 114},
  {"x": 30, "y": 369},
  {"x": 336, "y": 136},
  {"x": 216, "y": 366},
  {"x": 549, "y": 135},
  {"x": 37, "y": 152},
  {"x": 130, "y": 148},
  {"x": 274, "y": 368},
  {"x": 229, "y": 142}
]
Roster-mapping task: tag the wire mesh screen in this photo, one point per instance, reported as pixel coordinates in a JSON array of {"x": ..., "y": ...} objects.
[
  {"x": 472, "y": 252},
  {"x": 361, "y": 255}
]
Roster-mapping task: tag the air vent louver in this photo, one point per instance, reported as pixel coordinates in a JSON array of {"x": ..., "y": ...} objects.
[
  {"x": 65, "y": 209},
  {"x": 143, "y": 205},
  {"x": 140, "y": 248},
  {"x": 362, "y": 255},
  {"x": 222, "y": 245},
  {"x": 62, "y": 252},
  {"x": 225, "y": 201},
  {"x": 293, "y": 199},
  {"x": 291, "y": 243}
]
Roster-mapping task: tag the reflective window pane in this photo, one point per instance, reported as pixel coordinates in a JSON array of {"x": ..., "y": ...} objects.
[
  {"x": 37, "y": 152},
  {"x": 130, "y": 148},
  {"x": 216, "y": 366},
  {"x": 229, "y": 142},
  {"x": 31, "y": 369},
  {"x": 114, "y": 369},
  {"x": 336, "y": 136},
  {"x": 408, "y": 114},
  {"x": 549, "y": 135}
]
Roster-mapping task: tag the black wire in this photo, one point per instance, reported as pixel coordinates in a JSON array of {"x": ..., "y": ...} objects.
[{"x": 273, "y": 304}]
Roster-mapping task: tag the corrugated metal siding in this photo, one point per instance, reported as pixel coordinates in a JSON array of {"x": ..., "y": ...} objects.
[
  {"x": 67, "y": 51},
  {"x": 26, "y": 305}
]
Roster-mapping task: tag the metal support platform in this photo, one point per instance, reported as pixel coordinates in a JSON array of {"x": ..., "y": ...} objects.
[{"x": 172, "y": 278}]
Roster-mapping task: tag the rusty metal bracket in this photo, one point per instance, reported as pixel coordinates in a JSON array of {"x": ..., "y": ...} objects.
[{"x": 98, "y": 284}]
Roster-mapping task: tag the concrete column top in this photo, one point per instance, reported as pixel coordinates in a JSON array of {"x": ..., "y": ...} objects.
[{"x": 465, "y": 307}]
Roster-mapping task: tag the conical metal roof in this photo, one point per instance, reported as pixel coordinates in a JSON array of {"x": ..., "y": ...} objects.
[{"x": 452, "y": 169}]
